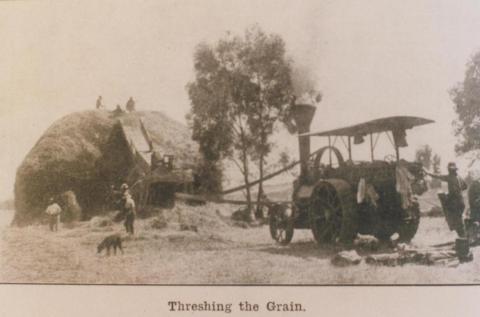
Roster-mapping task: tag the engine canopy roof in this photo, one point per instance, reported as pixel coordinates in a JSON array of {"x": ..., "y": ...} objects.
[{"x": 395, "y": 123}]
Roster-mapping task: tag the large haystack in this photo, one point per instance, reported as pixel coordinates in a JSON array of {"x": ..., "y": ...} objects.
[{"x": 86, "y": 152}]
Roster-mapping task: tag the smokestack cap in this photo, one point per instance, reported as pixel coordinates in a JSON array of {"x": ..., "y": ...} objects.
[{"x": 303, "y": 115}]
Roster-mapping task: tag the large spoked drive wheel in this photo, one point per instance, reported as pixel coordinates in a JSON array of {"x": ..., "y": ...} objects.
[
  {"x": 326, "y": 215},
  {"x": 281, "y": 225},
  {"x": 332, "y": 217}
]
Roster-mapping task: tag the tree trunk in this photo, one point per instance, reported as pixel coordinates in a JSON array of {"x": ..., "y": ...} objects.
[
  {"x": 247, "y": 184},
  {"x": 245, "y": 170},
  {"x": 259, "y": 212}
]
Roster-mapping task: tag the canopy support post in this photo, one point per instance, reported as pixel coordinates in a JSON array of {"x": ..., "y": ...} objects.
[
  {"x": 371, "y": 146},
  {"x": 330, "y": 150},
  {"x": 349, "y": 148}
]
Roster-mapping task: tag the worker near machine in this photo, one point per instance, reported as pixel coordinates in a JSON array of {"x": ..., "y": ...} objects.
[
  {"x": 53, "y": 211},
  {"x": 124, "y": 190},
  {"x": 454, "y": 202},
  {"x": 128, "y": 206},
  {"x": 130, "y": 106},
  {"x": 474, "y": 200},
  {"x": 130, "y": 213}
]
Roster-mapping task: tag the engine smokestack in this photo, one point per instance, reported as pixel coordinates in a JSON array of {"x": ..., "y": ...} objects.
[{"x": 303, "y": 115}]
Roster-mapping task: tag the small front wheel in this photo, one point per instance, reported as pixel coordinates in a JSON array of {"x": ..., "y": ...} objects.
[{"x": 281, "y": 225}]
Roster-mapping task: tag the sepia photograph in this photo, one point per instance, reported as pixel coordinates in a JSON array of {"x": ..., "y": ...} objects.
[{"x": 240, "y": 143}]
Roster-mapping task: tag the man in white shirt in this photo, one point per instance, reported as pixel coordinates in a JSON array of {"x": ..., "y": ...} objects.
[
  {"x": 130, "y": 213},
  {"x": 53, "y": 211}
]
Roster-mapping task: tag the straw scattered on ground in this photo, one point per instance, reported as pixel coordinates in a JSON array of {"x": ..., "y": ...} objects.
[{"x": 215, "y": 253}]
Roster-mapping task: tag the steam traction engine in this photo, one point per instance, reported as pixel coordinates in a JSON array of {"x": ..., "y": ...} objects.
[{"x": 337, "y": 201}]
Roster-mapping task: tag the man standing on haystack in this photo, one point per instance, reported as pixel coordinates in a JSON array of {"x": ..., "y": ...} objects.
[
  {"x": 53, "y": 211},
  {"x": 99, "y": 104},
  {"x": 130, "y": 106}
]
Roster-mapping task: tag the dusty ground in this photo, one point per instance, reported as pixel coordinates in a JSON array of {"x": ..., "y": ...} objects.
[{"x": 217, "y": 254}]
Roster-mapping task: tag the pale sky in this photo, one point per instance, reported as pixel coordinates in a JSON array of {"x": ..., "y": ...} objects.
[{"x": 370, "y": 58}]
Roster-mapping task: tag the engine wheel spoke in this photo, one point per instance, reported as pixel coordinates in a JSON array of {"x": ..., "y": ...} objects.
[{"x": 326, "y": 215}]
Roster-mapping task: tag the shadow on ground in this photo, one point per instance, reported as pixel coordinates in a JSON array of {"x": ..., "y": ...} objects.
[
  {"x": 303, "y": 249},
  {"x": 310, "y": 249}
]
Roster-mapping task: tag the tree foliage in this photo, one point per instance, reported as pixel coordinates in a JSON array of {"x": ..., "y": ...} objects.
[
  {"x": 466, "y": 98},
  {"x": 241, "y": 89},
  {"x": 424, "y": 155},
  {"x": 285, "y": 159},
  {"x": 436, "y": 161}
]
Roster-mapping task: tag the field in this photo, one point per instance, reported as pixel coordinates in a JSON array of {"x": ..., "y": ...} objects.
[{"x": 219, "y": 253}]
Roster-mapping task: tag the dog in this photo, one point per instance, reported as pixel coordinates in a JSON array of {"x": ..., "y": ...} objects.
[{"x": 112, "y": 241}]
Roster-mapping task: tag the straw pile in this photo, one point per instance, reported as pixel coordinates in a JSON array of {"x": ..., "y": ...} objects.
[{"x": 85, "y": 152}]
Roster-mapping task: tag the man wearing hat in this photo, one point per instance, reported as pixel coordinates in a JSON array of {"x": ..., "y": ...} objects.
[
  {"x": 129, "y": 209},
  {"x": 124, "y": 190},
  {"x": 454, "y": 199}
]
